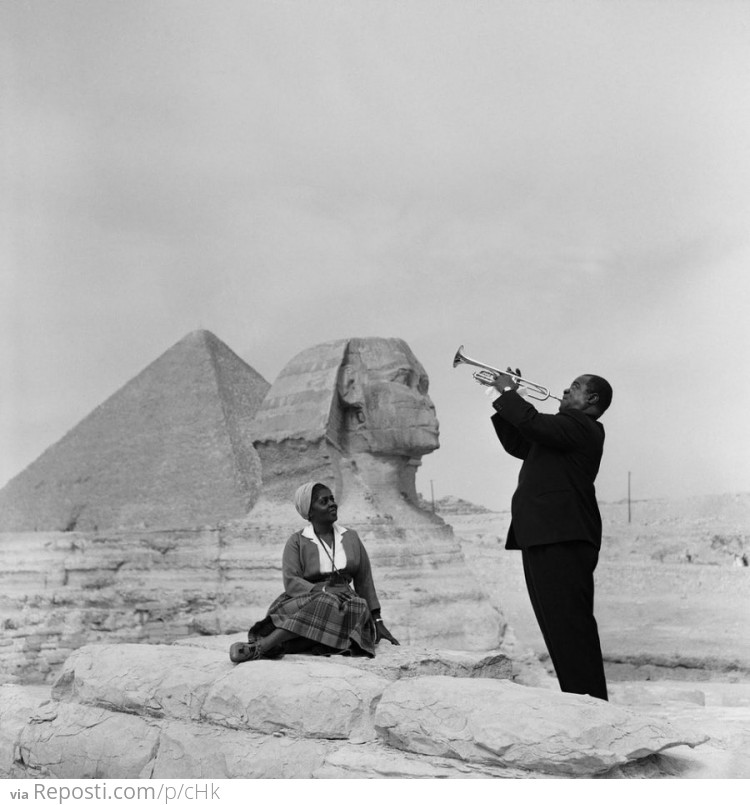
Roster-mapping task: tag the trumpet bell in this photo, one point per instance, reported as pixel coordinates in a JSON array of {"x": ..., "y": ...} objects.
[
  {"x": 488, "y": 374},
  {"x": 458, "y": 357}
]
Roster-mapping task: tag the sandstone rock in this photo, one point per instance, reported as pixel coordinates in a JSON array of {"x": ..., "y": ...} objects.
[
  {"x": 384, "y": 762},
  {"x": 632, "y": 694},
  {"x": 495, "y": 722},
  {"x": 727, "y": 694},
  {"x": 147, "y": 680},
  {"x": 17, "y": 705},
  {"x": 59, "y": 592},
  {"x": 71, "y": 741},
  {"x": 310, "y": 700},
  {"x": 195, "y": 751},
  {"x": 400, "y": 662},
  {"x": 184, "y": 711}
]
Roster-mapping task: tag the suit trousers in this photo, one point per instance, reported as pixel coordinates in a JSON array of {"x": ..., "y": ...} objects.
[{"x": 560, "y": 582}]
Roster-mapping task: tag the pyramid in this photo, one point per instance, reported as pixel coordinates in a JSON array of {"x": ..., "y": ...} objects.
[{"x": 172, "y": 448}]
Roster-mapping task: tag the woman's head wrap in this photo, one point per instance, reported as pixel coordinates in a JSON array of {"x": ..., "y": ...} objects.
[{"x": 303, "y": 499}]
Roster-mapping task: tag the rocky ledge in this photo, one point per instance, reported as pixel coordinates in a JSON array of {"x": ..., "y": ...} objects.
[{"x": 185, "y": 711}]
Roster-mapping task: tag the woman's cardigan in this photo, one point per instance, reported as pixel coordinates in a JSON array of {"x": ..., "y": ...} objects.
[{"x": 301, "y": 565}]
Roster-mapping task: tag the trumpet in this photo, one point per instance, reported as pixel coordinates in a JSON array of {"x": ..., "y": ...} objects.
[{"x": 488, "y": 374}]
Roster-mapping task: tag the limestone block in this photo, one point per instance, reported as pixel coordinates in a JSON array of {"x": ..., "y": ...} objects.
[
  {"x": 704, "y": 694},
  {"x": 71, "y": 741},
  {"x": 428, "y": 592},
  {"x": 194, "y": 751},
  {"x": 298, "y": 405},
  {"x": 398, "y": 662},
  {"x": 115, "y": 586},
  {"x": 496, "y": 722},
  {"x": 312, "y": 699},
  {"x": 17, "y": 705},
  {"x": 149, "y": 680},
  {"x": 402, "y": 662},
  {"x": 634, "y": 694},
  {"x": 382, "y": 762},
  {"x": 305, "y": 716}
]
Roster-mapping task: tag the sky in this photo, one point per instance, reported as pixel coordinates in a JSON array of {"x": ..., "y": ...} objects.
[{"x": 561, "y": 186}]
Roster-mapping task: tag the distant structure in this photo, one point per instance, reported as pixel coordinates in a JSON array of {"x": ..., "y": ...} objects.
[{"x": 171, "y": 448}]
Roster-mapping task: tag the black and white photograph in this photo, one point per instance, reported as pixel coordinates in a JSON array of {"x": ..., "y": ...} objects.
[{"x": 373, "y": 397}]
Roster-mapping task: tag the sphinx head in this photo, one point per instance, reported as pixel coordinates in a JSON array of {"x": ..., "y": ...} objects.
[
  {"x": 384, "y": 405},
  {"x": 352, "y": 413}
]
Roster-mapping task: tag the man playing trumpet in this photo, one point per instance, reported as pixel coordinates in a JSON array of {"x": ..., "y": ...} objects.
[{"x": 555, "y": 520}]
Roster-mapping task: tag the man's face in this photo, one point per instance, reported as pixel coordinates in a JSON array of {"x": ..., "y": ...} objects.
[
  {"x": 576, "y": 397},
  {"x": 394, "y": 415}
]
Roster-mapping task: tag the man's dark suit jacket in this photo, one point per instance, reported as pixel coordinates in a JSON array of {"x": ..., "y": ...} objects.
[{"x": 555, "y": 500}]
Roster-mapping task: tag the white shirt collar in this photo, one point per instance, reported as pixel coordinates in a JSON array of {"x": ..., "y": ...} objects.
[{"x": 338, "y": 531}]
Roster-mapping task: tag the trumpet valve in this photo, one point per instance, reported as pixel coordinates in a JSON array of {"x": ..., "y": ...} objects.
[{"x": 485, "y": 377}]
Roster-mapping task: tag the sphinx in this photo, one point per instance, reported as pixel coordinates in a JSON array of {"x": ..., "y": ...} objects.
[{"x": 356, "y": 415}]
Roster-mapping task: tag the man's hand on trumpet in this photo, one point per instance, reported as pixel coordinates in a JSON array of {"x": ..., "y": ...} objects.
[{"x": 505, "y": 382}]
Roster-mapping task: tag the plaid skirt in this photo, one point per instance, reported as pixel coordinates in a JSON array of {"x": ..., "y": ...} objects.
[{"x": 340, "y": 621}]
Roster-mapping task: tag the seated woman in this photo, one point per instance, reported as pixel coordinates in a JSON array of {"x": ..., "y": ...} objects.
[{"x": 318, "y": 610}]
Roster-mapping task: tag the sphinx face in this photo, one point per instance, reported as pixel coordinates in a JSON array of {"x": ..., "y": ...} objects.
[{"x": 383, "y": 390}]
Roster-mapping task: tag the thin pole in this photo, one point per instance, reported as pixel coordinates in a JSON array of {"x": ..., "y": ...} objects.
[{"x": 628, "y": 495}]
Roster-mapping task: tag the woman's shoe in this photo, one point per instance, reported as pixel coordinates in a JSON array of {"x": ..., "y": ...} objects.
[{"x": 243, "y": 652}]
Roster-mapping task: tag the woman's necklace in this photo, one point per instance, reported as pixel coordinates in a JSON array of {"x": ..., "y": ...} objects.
[{"x": 331, "y": 556}]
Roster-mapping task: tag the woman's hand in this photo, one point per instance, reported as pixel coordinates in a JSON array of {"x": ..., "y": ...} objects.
[
  {"x": 335, "y": 588},
  {"x": 384, "y": 633},
  {"x": 337, "y": 583}
]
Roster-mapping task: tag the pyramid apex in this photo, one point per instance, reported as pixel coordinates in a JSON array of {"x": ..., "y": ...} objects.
[
  {"x": 199, "y": 339},
  {"x": 198, "y": 335}
]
